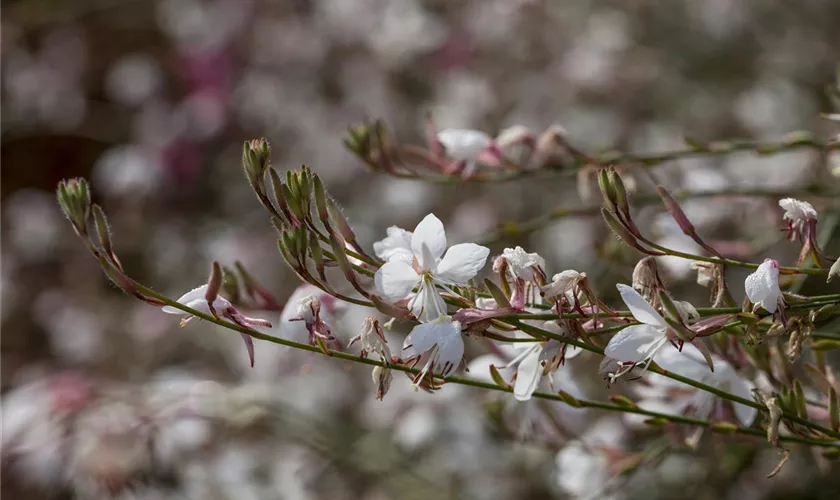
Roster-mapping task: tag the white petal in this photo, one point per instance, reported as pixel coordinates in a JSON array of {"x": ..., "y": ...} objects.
[
  {"x": 689, "y": 362},
  {"x": 463, "y": 144},
  {"x": 189, "y": 297},
  {"x": 461, "y": 263},
  {"x": 528, "y": 375},
  {"x": 634, "y": 343},
  {"x": 451, "y": 350},
  {"x": 395, "y": 280},
  {"x": 762, "y": 286},
  {"x": 430, "y": 233},
  {"x": 743, "y": 388},
  {"x": 427, "y": 305},
  {"x": 639, "y": 307},
  {"x": 521, "y": 262},
  {"x": 440, "y": 332},
  {"x": 396, "y": 243}
]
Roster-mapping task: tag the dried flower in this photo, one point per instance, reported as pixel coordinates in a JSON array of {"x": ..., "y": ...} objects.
[
  {"x": 561, "y": 283},
  {"x": 309, "y": 311},
  {"x": 382, "y": 377},
  {"x": 521, "y": 263},
  {"x": 705, "y": 272},
  {"x": 373, "y": 339}
]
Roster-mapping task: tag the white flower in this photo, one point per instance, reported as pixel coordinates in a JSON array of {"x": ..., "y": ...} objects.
[
  {"x": 561, "y": 283},
  {"x": 442, "y": 340},
  {"x": 196, "y": 299},
  {"x": 583, "y": 465},
  {"x": 637, "y": 343},
  {"x": 833, "y": 271},
  {"x": 797, "y": 211},
  {"x": 690, "y": 363},
  {"x": 521, "y": 262},
  {"x": 762, "y": 286},
  {"x": 396, "y": 279},
  {"x": 464, "y": 144},
  {"x": 309, "y": 311},
  {"x": 532, "y": 359},
  {"x": 395, "y": 246}
]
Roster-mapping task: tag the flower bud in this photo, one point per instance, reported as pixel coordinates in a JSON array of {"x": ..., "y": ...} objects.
[
  {"x": 834, "y": 271},
  {"x": 104, "y": 233},
  {"x": 552, "y": 149},
  {"x": 676, "y": 211},
  {"x": 74, "y": 199},
  {"x": 359, "y": 140},
  {"x": 607, "y": 189},
  {"x": 214, "y": 284},
  {"x": 620, "y": 192},
  {"x": 618, "y": 228},
  {"x": 382, "y": 377},
  {"x": 255, "y": 157}
]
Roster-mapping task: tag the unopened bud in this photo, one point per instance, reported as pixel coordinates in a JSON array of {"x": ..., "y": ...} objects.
[
  {"x": 676, "y": 211},
  {"x": 618, "y": 228},
  {"x": 620, "y": 192},
  {"x": 255, "y": 157},
  {"x": 214, "y": 283},
  {"x": 359, "y": 140},
  {"x": 74, "y": 199},
  {"x": 382, "y": 377},
  {"x": 104, "y": 233},
  {"x": 607, "y": 189},
  {"x": 552, "y": 148}
]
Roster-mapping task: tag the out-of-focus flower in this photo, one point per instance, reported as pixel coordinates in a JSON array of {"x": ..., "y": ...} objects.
[
  {"x": 583, "y": 466},
  {"x": 522, "y": 263},
  {"x": 637, "y": 343},
  {"x": 395, "y": 246},
  {"x": 834, "y": 271},
  {"x": 464, "y": 144},
  {"x": 441, "y": 340},
  {"x": 397, "y": 279},
  {"x": 673, "y": 397},
  {"x": 797, "y": 212},
  {"x": 762, "y": 286}
]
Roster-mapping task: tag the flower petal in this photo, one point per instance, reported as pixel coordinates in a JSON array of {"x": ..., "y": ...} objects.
[
  {"x": 640, "y": 308},
  {"x": 634, "y": 343},
  {"x": 743, "y": 388},
  {"x": 451, "y": 350},
  {"x": 425, "y": 336},
  {"x": 528, "y": 375},
  {"x": 689, "y": 362},
  {"x": 427, "y": 305},
  {"x": 395, "y": 279},
  {"x": 189, "y": 297},
  {"x": 464, "y": 144},
  {"x": 461, "y": 263},
  {"x": 397, "y": 241},
  {"x": 429, "y": 232}
]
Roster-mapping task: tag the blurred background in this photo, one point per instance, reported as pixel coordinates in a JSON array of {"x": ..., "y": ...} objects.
[{"x": 105, "y": 397}]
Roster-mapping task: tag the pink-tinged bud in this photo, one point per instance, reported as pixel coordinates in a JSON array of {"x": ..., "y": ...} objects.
[
  {"x": 676, "y": 211},
  {"x": 214, "y": 283}
]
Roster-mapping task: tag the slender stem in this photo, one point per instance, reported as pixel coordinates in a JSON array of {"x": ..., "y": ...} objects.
[{"x": 676, "y": 419}]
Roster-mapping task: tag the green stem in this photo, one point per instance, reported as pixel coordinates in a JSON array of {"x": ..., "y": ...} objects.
[{"x": 676, "y": 419}]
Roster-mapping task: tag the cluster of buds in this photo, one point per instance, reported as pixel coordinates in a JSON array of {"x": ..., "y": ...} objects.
[{"x": 459, "y": 152}]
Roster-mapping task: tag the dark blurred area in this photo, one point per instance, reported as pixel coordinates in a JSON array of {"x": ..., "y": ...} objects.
[{"x": 152, "y": 100}]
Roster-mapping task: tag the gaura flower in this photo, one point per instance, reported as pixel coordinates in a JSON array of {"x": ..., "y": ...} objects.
[
  {"x": 309, "y": 311},
  {"x": 395, "y": 246},
  {"x": 800, "y": 216},
  {"x": 637, "y": 343},
  {"x": 464, "y": 144},
  {"x": 521, "y": 263},
  {"x": 396, "y": 279},
  {"x": 762, "y": 286},
  {"x": 221, "y": 307},
  {"x": 561, "y": 283},
  {"x": 441, "y": 340},
  {"x": 372, "y": 339},
  {"x": 670, "y": 396}
]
